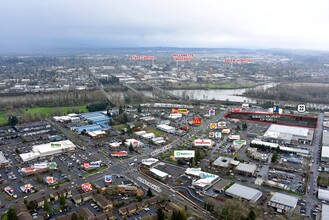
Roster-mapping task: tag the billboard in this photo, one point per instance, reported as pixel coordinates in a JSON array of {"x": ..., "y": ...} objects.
[
  {"x": 95, "y": 164},
  {"x": 212, "y": 112},
  {"x": 234, "y": 137},
  {"x": 221, "y": 124},
  {"x": 218, "y": 134},
  {"x": 29, "y": 169},
  {"x": 226, "y": 131},
  {"x": 183, "y": 111},
  {"x": 202, "y": 142},
  {"x": 208, "y": 176},
  {"x": 213, "y": 126},
  {"x": 197, "y": 121},
  {"x": 119, "y": 154},
  {"x": 50, "y": 179},
  {"x": 40, "y": 165},
  {"x": 108, "y": 179},
  {"x": 86, "y": 187},
  {"x": 86, "y": 165},
  {"x": 184, "y": 153},
  {"x": 211, "y": 134},
  {"x": 55, "y": 145},
  {"x": 239, "y": 142}
]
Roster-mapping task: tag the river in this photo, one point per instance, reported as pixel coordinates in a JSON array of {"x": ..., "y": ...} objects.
[{"x": 234, "y": 95}]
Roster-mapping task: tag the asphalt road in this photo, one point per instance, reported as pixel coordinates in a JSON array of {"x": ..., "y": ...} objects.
[{"x": 310, "y": 195}]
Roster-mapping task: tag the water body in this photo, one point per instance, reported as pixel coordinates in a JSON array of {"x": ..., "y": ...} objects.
[{"x": 235, "y": 95}]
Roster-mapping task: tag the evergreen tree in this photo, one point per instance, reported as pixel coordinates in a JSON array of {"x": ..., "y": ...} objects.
[
  {"x": 139, "y": 109},
  {"x": 46, "y": 206},
  {"x": 12, "y": 214},
  {"x": 161, "y": 215},
  {"x": 62, "y": 201},
  {"x": 252, "y": 215},
  {"x": 12, "y": 121},
  {"x": 149, "y": 192},
  {"x": 120, "y": 110}
]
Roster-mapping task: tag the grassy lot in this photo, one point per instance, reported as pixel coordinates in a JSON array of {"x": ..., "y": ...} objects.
[
  {"x": 2, "y": 118},
  {"x": 48, "y": 111},
  {"x": 155, "y": 131},
  {"x": 119, "y": 127},
  {"x": 323, "y": 180},
  {"x": 94, "y": 171}
]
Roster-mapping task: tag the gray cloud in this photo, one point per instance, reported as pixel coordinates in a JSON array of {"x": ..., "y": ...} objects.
[{"x": 40, "y": 24}]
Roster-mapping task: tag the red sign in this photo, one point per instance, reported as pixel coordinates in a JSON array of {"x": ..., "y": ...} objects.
[
  {"x": 197, "y": 121},
  {"x": 86, "y": 164},
  {"x": 30, "y": 169},
  {"x": 182, "y": 57},
  {"x": 237, "y": 61},
  {"x": 142, "y": 57}
]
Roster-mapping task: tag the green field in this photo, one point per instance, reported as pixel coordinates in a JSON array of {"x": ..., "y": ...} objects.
[
  {"x": 2, "y": 118},
  {"x": 48, "y": 111},
  {"x": 157, "y": 132},
  {"x": 120, "y": 127}
]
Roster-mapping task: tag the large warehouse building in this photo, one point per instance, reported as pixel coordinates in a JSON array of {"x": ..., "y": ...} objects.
[
  {"x": 325, "y": 147},
  {"x": 282, "y": 202},
  {"x": 288, "y": 135},
  {"x": 244, "y": 192},
  {"x": 166, "y": 128},
  {"x": 48, "y": 149}
]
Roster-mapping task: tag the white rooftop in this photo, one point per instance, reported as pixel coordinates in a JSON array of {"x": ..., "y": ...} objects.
[
  {"x": 284, "y": 199},
  {"x": 241, "y": 191},
  {"x": 245, "y": 167},
  {"x": 158, "y": 172},
  {"x": 325, "y": 212},
  {"x": 297, "y": 131},
  {"x": 323, "y": 194},
  {"x": 325, "y": 151}
]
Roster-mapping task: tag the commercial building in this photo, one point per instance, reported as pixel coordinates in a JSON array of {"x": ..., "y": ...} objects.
[
  {"x": 225, "y": 162},
  {"x": 204, "y": 181},
  {"x": 149, "y": 162},
  {"x": 158, "y": 140},
  {"x": 48, "y": 149},
  {"x": 3, "y": 160},
  {"x": 140, "y": 133},
  {"x": 148, "y": 136},
  {"x": 325, "y": 154},
  {"x": 159, "y": 174},
  {"x": 282, "y": 202},
  {"x": 264, "y": 144},
  {"x": 244, "y": 192},
  {"x": 166, "y": 128},
  {"x": 33, "y": 128},
  {"x": 96, "y": 134},
  {"x": 283, "y": 134},
  {"x": 323, "y": 194},
  {"x": 246, "y": 169},
  {"x": 133, "y": 142},
  {"x": 325, "y": 212}
]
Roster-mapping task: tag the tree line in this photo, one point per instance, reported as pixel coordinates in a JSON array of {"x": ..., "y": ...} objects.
[{"x": 318, "y": 93}]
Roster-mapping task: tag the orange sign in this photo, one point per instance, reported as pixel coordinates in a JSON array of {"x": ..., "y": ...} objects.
[{"x": 197, "y": 121}]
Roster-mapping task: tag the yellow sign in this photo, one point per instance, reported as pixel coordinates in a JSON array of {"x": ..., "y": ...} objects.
[{"x": 213, "y": 126}]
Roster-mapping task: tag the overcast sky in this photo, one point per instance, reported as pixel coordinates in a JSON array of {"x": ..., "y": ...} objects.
[{"x": 49, "y": 24}]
